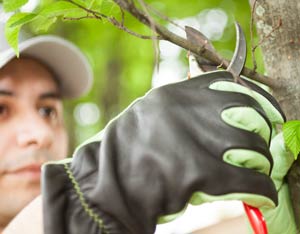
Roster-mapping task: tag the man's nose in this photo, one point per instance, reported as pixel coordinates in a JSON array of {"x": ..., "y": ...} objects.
[{"x": 34, "y": 131}]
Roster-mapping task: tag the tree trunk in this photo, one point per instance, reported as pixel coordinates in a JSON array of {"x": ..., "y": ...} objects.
[{"x": 281, "y": 52}]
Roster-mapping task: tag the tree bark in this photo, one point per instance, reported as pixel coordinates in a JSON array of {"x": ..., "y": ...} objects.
[{"x": 281, "y": 52}]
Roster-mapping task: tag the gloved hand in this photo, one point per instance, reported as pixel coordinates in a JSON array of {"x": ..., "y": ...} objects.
[
  {"x": 184, "y": 142},
  {"x": 281, "y": 219}
]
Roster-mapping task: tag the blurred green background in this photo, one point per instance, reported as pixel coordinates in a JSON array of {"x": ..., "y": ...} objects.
[{"x": 124, "y": 65}]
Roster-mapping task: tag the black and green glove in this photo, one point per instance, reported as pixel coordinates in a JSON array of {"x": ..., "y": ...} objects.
[{"x": 194, "y": 141}]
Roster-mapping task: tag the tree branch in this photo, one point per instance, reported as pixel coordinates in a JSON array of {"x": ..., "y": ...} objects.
[
  {"x": 165, "y": 34},
  {"x": 155, "y": 42},
  {"x": 252, "y": 37},
  {"x": 182, "y": 42}
]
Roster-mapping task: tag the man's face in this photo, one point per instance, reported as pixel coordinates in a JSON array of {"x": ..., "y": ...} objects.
[{"x": 32, "y": 132}]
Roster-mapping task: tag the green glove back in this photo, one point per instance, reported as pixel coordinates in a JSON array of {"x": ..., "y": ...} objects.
[{"x": 281, "y": 219}]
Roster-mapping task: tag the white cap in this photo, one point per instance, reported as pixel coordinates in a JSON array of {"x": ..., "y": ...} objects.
[{"x": 69, "y": 65}]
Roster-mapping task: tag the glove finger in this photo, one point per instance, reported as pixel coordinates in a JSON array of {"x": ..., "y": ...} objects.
[
  {"x": 283, "y": 159},
  {"x": 254, "y": 200},
  {"x": 246, "y": 185},
  {"x": 241, "y": 184},
  {"x": 248, "y": 119},
  {"x": 248, "y": 159},
  {"x": 257, "y": 127},
  {"x": 267, "y": 102},
  {"x": 238, "y": 129},
  {"x": 265, "y": 94}
]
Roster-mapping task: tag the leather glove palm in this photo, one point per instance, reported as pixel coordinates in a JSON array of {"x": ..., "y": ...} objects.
[{"x": 183, "y": 142}]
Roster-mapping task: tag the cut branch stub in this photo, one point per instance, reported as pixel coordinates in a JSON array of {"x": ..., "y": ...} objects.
[{"x": 197, "y": 38}]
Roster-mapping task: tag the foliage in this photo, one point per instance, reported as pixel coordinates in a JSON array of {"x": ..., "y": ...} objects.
[
  {"x": 291, "y": 134},
  {"x": 12, "y": 5},
  {"x": 60, "y": 8},
  {"x": 13, "y": 27}
]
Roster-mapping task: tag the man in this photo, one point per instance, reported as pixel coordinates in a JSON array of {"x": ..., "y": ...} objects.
[{"x": 31, "y": 114}]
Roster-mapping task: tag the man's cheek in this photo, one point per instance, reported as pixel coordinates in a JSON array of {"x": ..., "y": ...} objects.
[
  {"x": 61, "y": 145},
  {"x": 10, "y": 183},
  {"x": 16, "y": 198},
  {"x": 16, "y": 194},
  {"x": 8, "y": 147}
]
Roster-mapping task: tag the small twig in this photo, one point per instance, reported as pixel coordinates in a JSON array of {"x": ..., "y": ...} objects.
[
  {"x": 242, "y": 82},
  {"x": 122, "y": 16},
  {"x": 189, "y": 67},
  {"x": 251, "y": 36},
  {"x": 120, "y": 26},
  {"x": 152, "y": 23},
  {"x": 112, "y": 20},
  {"x": 269, "y": 34},
  {"x": 88, "y": 10},
  {"x": 164, "y": 17},
  {"x": 130, "y": 2},
  {"x": 79, "y": 18},
  {"x": 220, "y": 65}
]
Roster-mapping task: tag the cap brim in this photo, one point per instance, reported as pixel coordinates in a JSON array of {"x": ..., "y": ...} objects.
[{"x": 70, "y": 66}]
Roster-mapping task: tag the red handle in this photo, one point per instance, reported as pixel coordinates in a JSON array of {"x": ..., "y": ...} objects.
[{"x": 256, "y": 219}]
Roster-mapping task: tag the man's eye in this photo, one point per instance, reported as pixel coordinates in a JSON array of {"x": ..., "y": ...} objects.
[{"x": 48, "y": 112}]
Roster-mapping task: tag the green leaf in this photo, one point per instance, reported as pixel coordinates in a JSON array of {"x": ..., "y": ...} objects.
[
  {"x": 41, "y": 24},
  {"x": 89, "y": 4},
  {"x": 76, "y": 13},
  {"x": 59, "y": 8},
  {"x": 95, "y": 4},
  {"x": 291, "y": 134},
  {"x": 13, "y": 26},
  {"x": 21, "y": 18},
  {"x": 83, "y": 3},
  {"x": 109, "y": 7},
  {"x": 12, "y": 5}
]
